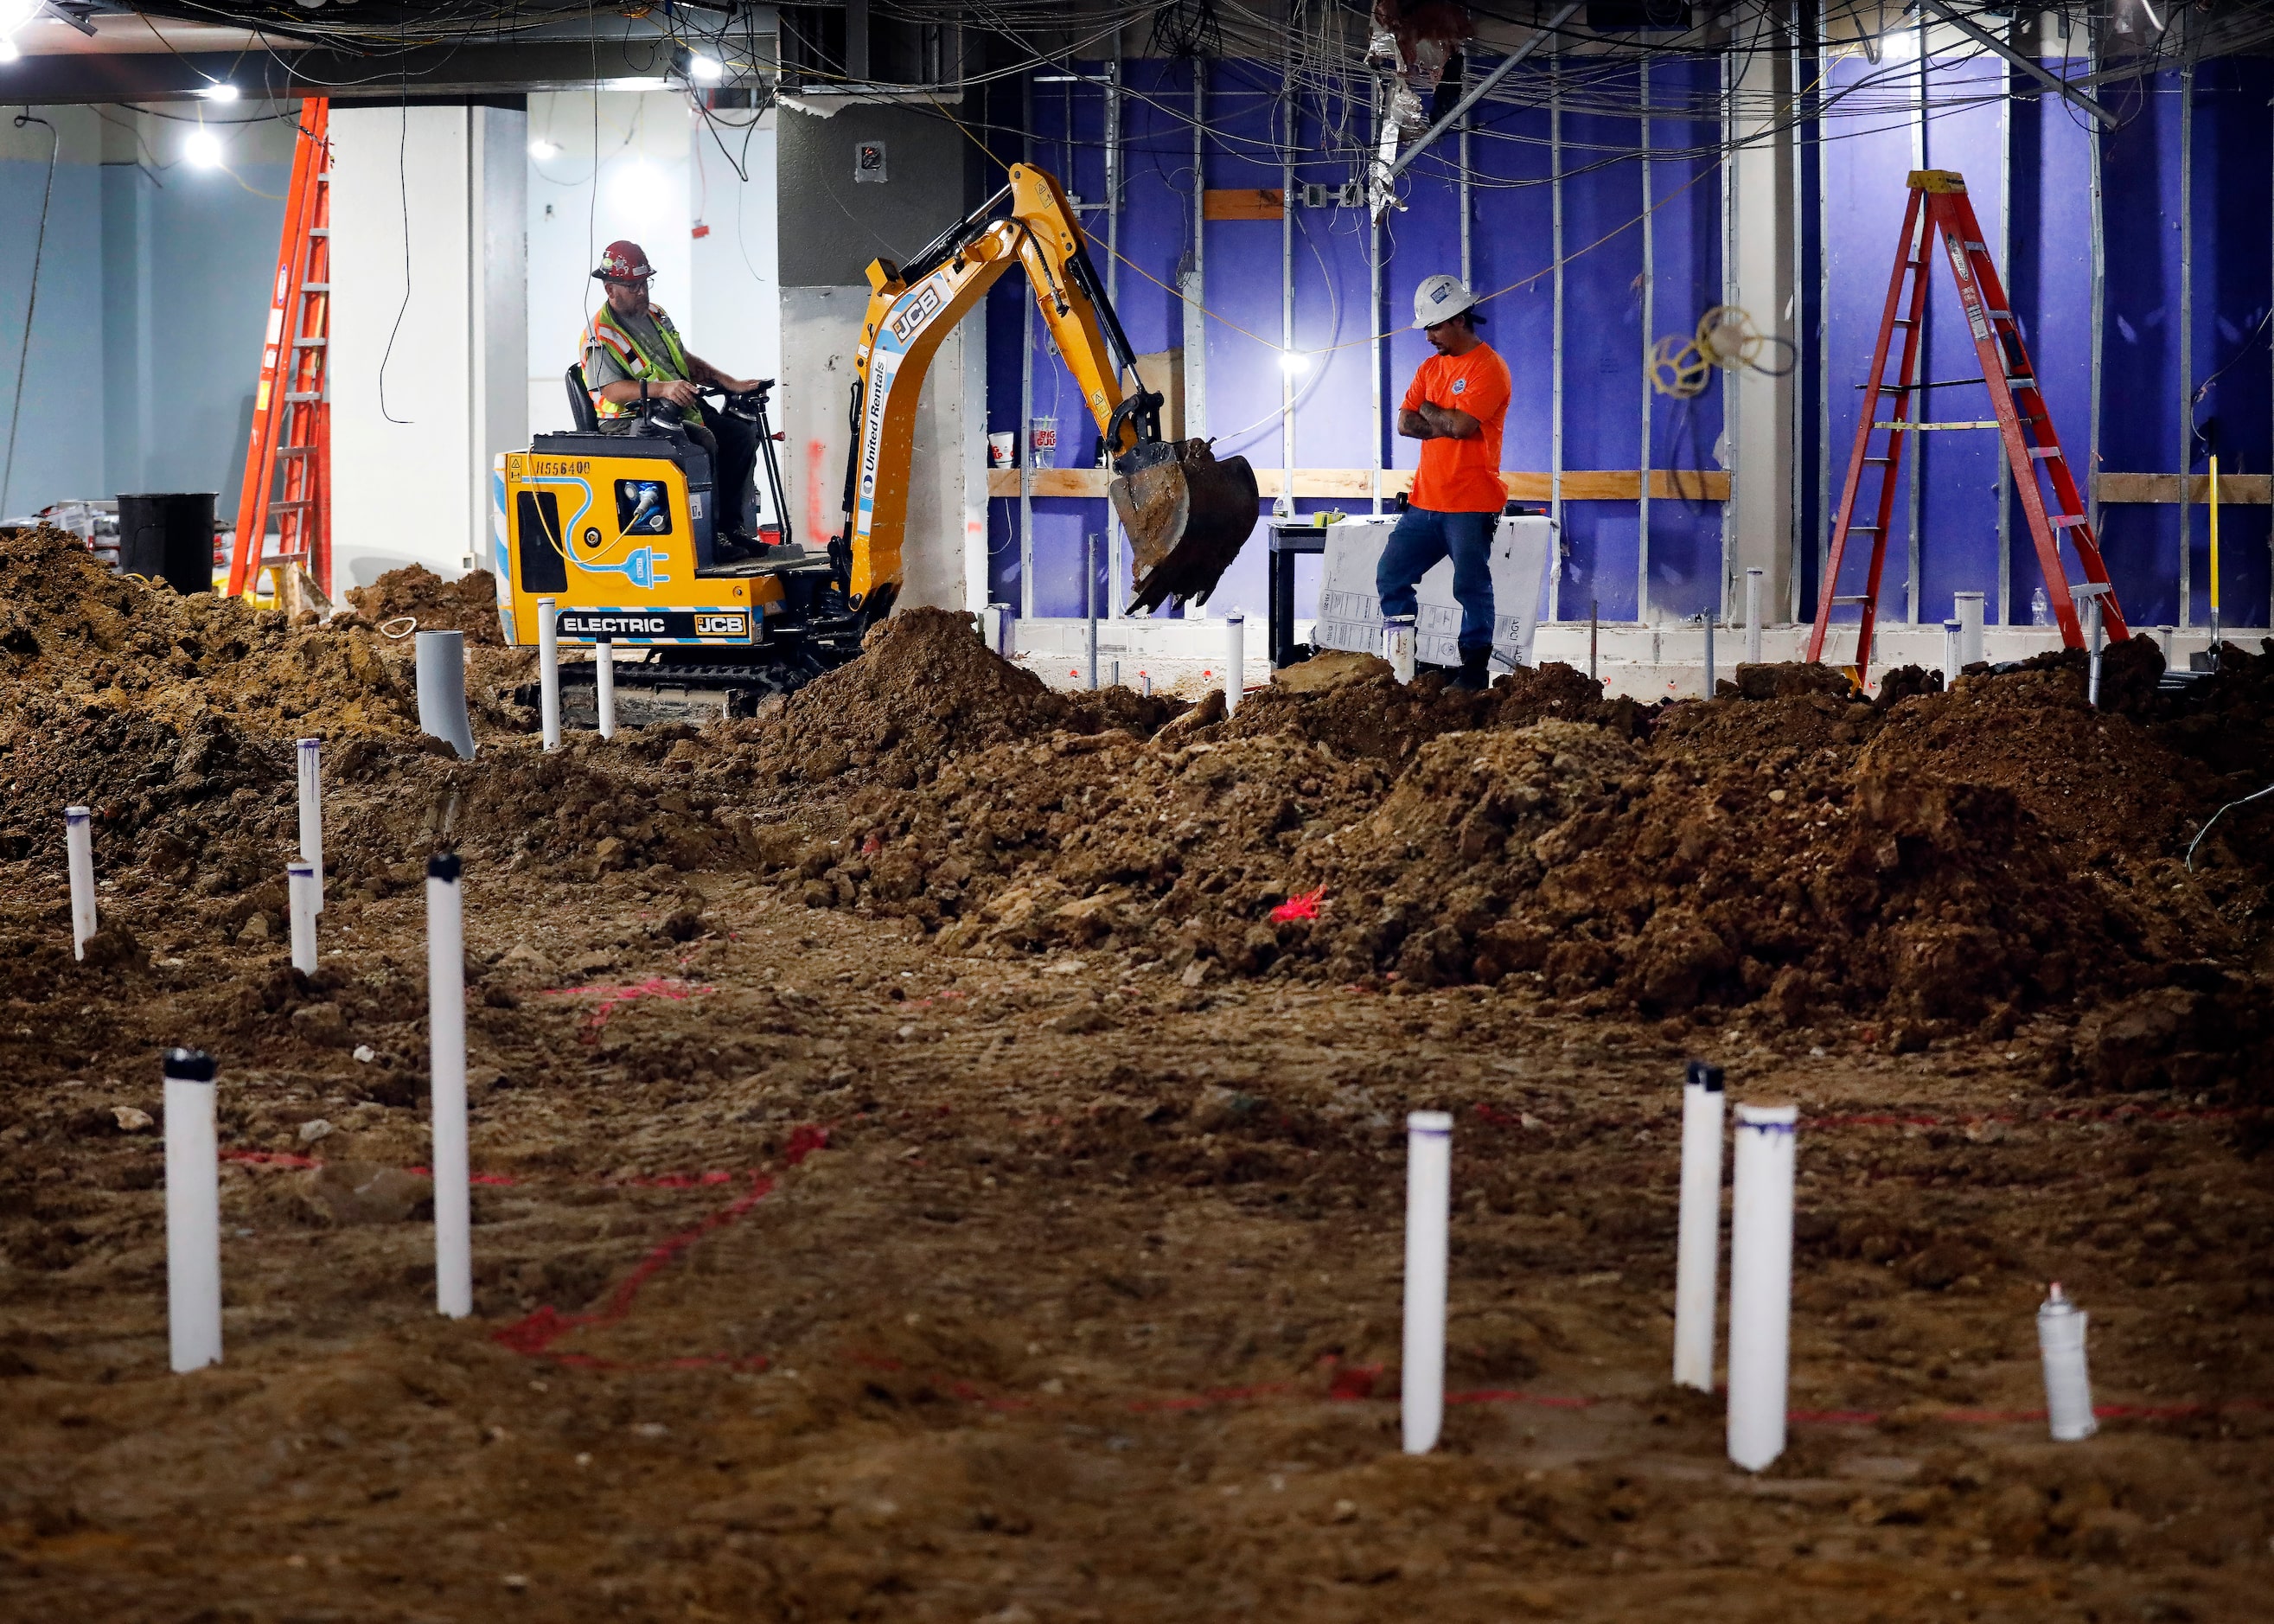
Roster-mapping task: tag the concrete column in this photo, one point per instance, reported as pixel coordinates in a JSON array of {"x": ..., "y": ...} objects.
[
  {"x": 427, "y": 359},
  {"x": 1759, "y": 277},
  {"x": 828, "y": 229}
]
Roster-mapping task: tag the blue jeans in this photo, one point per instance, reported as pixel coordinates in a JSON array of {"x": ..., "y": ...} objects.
[{"x": 1421, "y": 540}]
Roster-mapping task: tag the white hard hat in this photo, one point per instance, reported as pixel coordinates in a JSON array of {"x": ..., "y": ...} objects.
[{"x": 1439, "y": 299}]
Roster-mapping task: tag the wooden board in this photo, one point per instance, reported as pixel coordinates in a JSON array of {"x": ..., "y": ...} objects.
[
  {"x": 1243, "y": 203},
  {"x": 1357, "y": 484},
  {"x": 2242, "y": 490}
]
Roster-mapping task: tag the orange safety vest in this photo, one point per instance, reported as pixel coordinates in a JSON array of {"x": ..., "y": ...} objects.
[{"x": 605, "y": 330}]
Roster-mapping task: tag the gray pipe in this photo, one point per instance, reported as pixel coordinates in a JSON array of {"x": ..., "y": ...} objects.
[{"x": 442, "y": 689}]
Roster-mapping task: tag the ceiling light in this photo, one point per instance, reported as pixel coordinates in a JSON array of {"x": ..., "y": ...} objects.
[
  {"x": 705, "y": 70},
  {"x": 15, "y": 13},
  {"x": 10, "y": 50},
  {"x": 1294, "y": 363},
  {"x": 540, "y": 148},
  {"x": 202, "y": 149},
  {"x": 219, "y": 93}
]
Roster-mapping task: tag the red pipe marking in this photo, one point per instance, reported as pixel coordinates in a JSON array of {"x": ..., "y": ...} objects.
[
  {"x": 534, "y": 1333},
  {"x": 1302, "y": 905}
]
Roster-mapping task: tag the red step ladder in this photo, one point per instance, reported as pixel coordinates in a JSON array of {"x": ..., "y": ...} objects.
[
  {"x": 287, "y": 461},
  {"x": 1939, "y": 207}
]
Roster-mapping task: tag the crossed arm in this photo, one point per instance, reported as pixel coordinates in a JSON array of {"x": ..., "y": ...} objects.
[{"x": 1428, "y": 422}]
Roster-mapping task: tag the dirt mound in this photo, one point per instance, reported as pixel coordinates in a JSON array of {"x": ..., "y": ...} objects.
[
  {"x": 924, "y": 688},
  {"x": 1369, "y": 713},
  {"x": 468, "y": 604},
  {"x": 70, "y": 626}
]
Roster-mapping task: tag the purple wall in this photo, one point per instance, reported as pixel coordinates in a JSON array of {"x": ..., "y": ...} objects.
[{"x": 2028, "y": 168}]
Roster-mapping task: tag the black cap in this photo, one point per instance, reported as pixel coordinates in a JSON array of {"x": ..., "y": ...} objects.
[
  {"x": 1708, "y": 1078},
  {"x": 444, "y": 866},
  {"x": 189, "y": 1066}
]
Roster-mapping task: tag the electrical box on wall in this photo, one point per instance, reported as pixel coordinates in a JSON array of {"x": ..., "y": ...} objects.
[
  {"x": 869, "y": 161},
  {"x": 1316, "y": 195}
]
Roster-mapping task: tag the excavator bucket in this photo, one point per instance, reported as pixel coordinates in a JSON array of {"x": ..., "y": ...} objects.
[{"x": 1187, "y": 516}]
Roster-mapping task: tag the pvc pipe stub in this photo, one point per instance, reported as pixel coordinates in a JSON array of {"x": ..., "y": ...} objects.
[
  {"x": 300, "y": 868},
  {"x": 1429, "y": 1121},
  {"x": 189, "y": 1066},
  {"x": 1771, "y": 1119},
  {"x": 1702, "y": 1076},
  {"x": 445, "y": 866},
  {"x": 76, "y": 814}
]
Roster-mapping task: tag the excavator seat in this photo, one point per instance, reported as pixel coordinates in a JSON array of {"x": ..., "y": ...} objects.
[{"x": 580, "y": 400}]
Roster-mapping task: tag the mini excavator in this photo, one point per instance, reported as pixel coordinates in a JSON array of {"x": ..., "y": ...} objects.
[{"x": 618, "y": 529}]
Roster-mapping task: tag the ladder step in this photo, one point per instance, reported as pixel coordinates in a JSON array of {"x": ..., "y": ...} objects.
[
  {"x": 1905, "y": 321},
  {"x": 2021, "y": 383},
  {"x": 1924, "y": 427},
  {"x": 2045, "y": 450},
  {"x": 319, "y": 230},
  {"x": 1999, "y": 316},
  {"x": 2065, "y": 521},
  {"x": 315, "y": 287},
  {"x": 1859, "y": 598},
  {"x": 1889, "y": 460},
  {"x": 311, "y": 395},
  {"x": 294, "y": 450},
  {"x": 1975, "y": 248},
  {"x": 309, "y": 343}
]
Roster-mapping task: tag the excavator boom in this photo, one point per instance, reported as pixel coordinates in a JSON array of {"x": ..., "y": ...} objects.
[{"x": 1188, "y": 514}]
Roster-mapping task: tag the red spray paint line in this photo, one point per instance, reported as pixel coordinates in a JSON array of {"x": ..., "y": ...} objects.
[
  {"x": 612, "y": 998},
  {"x": 534, "y": 1334},
  {"x": 816, "y": 486}
]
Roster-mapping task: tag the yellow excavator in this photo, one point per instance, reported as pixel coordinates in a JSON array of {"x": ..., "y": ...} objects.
[{"x": 617, "y": 530}]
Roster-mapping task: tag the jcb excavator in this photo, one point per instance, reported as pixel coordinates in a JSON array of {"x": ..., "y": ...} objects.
[{"x": 617, "y": 529}]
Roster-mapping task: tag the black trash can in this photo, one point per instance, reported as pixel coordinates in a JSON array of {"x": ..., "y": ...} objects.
[{"x": 169, "y": 537}]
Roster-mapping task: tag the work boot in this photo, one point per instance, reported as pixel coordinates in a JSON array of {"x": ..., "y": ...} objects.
[
  {"x": 1476, "y": 672},
  {"x": 727, "y": 550}
]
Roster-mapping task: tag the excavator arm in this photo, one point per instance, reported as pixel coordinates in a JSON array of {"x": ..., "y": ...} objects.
[{"x": 1186, "y": 513}]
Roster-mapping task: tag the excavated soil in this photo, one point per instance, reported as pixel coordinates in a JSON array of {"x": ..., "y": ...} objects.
[
  {"x": 939, "y": 1157},
  {"x": 469, "y": 604}
]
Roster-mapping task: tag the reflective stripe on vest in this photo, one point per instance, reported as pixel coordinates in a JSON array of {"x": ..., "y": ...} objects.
[{"x": 607, "y": 331}]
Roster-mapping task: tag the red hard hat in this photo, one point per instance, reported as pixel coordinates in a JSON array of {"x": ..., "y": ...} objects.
[{"x": 624, "y": 262}]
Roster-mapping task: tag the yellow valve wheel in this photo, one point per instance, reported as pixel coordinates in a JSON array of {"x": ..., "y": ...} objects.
[
  {"x": 1677, "y": 368},
  {"x": 1727, "y": 338}
]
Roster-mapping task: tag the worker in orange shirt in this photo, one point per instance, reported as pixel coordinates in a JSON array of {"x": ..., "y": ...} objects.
[{"x": 1456, "y": 408}]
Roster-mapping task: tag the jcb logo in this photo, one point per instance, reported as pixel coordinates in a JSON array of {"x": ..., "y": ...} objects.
[
  {"x": 921, "y": 306},
  {"x": 721, "y": 625}
]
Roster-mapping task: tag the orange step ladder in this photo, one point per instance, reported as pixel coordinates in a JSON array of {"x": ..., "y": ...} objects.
[
  {"x": 1940, "y": 209},
  {"x": 288, "y": 460}
]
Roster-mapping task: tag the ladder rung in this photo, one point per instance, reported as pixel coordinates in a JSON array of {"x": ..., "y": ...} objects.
[
  {"x": 319, "y": 230},
  {"x": 2045, "y": 450},
  {"x": 1975, "y": 248},
  {"x": 309, "y": 344},
  {"x": 1923, "y": 427},
  {"x": 1889, "y": 460},
  {"x": 311, "y": 395},
  {"x": 294, "y": 450},
  {"x": 275, "y": 506},
  {"x": 315, "y": 287},
  {"x": 2065, "y": 521},
  {"x": 1905, "y": 321},
  {"x": 1860, "y": 597},
  {"x": 1999, "y": 315},
  {"x": 2021, "y": 383}
]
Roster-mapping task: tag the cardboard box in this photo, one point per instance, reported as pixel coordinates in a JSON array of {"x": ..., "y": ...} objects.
[{"x": 1350, "y": 611}]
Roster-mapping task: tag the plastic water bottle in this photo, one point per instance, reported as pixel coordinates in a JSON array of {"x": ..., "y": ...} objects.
[
  {"x": 2068, "y": 1385},
  {"x": 2040, "y": 608}
]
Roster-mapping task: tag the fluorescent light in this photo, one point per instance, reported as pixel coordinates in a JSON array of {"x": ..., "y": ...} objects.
[
  {"x": 1294, "y": 363},
  {"x": 15, "y": 13},
  {"x": 1899, "y": 45},
  {"x": 10, "y": 50},
  {"x": 202, "y": 149},
  {"x": 541, "y": 148},
  {"x": 223, "y": 91},
  {"x": 705, "y": 70}
]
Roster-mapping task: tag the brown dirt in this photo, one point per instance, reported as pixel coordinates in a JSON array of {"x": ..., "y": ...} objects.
[
  {"x": 468, "y": 604},
  {"x": 933, "y": 1188}
]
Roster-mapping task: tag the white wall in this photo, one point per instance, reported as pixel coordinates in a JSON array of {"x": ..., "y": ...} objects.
[
  {"x": 428, "y": 326},
  {"x": 661, "y": 175}
]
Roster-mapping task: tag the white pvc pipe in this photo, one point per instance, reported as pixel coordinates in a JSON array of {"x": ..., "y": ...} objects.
[
  {"x": 300, "y": 894},
  {"x": 1709, "y": 654},
  {"x": 604, "y": 687},
  {"x": 79, "y": 858},
  {"x": 1235, "y": 658},
  {"x": 1397, "y": 649},
  {"x": 1954, "y": 637},
  {"x": 1760, "y": 1284},
  {"x": 1967, "y": 608},
  {"x": 1698, "y": 1247},
  {"x": 1428, "y": 1196},
  {"x": 548, "y": 670},
  {"x": 446, "y": 1023},
  {"x": 2068, "y": 1384},
  {"x": 2092, "y": 630},
  {"x": 1754, "y": 617},
  {"x": 1145, "y": 683},
  {"x": 192, "y": 1212},
  {"x": 311, "y": 811}
]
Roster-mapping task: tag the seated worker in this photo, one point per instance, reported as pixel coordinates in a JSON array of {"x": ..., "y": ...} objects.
[
  {"x": 1456, "y": 408},
  {"x": 632, "y": 353}
]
